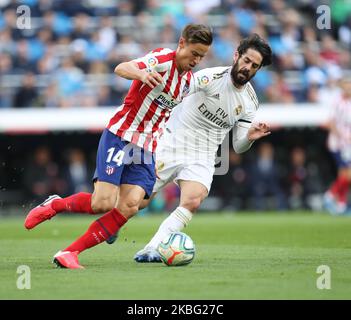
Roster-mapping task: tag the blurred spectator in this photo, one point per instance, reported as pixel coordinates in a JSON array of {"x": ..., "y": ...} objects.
[
  {"x": 315, "y": 74},
  {"x": 41, "y": 177},
  {"x": 77, "y": 173},
  {"x": 72, "y": 8},
  {"x": 5, "y": 63},
  {"x": 298, "y": 180},
  {"x": 104, "y": 97},
  {"x": 147, "y": 31},
  {"x": 58, "y": 22},
  {"x": 245, "y": 17},
  {"x": 232, "y": 187},
  {"x": 79, "y": 50},
  {"x": 7, "y": 44},
  {"x": 27, "y": 95},
  {"x": 278, "y": 91},
  {"x": 285, "y": 41},
  {"x": 99, "y": 68},
  {"x": 331, "y": 92},
  {"x": 22, "y": 61},
  {"x": 107, "y": 35},
  {"x": 125, "y": 8},
  {"x": 39, "y": 7},
  {"x": 94, "y": 51},
  {"x": 82, "y": 27},
  {"x": 48, "y": 63},
  {"x": 225, "y": 41},
  {"x": 69, "y": 79},
  {"x": 329, "y": 51},
  {"x": 265, "y": 181},
  {"x": 10, "y": 18},
  {"x": 50, "y": 97},
  {"x": 127, "y": 48},
  {"x": 5, "y": 68},
  {"x": 168, "y": 36}
]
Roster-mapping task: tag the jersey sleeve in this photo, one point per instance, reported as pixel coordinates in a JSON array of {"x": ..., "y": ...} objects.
[
  {"x": 158, "y": 60},
  {"x": 240, "y": 141}
]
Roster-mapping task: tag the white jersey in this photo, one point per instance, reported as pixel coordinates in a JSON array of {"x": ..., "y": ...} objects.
[
  {"x": 200, "y": 123},
  {"x": 188, "y": 148}
]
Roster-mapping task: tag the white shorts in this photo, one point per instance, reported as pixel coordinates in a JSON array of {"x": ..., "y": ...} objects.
[{"x": 198, "y": 171}]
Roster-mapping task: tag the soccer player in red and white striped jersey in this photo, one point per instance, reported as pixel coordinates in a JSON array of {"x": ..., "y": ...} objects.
[
  {"x": 147, "y": 107},
  {"x": 125, "y": 165},
  {"x": 339, "y": 144}
]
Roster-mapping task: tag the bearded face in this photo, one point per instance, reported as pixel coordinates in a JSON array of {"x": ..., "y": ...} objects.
[
  {"x": 240, "y": 77},
  {"x": 245, "y": 66}
]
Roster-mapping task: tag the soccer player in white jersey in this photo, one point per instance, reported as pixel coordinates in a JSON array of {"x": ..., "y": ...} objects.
[
  {"x": 339, "y": 144},
  {"x": 125, "y": 166},
  {"x": 187, "y": 151}
]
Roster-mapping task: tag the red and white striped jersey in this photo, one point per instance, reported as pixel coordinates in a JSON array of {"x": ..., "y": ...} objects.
[
  {"x": 142, "y": 116},
  {"x": 339, "y": 139}
]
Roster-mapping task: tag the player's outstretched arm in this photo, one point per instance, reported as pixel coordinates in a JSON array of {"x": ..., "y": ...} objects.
[{"x": 130, "y": 70}]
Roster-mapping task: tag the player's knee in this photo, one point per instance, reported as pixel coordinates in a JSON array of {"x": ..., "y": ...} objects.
[
  {"x": 192, "y": 204},
  {"x": 102, "y": 205},
  {"x": 129, "y": 207}
]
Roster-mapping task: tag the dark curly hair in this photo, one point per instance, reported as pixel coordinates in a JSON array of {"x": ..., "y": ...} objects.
[{"x": 257, "y": 43}]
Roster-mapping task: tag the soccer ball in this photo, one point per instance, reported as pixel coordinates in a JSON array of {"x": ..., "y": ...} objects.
[{"x": 177, "y": 249}]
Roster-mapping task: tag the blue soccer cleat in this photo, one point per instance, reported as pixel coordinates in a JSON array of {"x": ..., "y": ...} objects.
[
  {"x": 147, "y": 255},
  {"x": 329, "y": 203},
  {"x": 112, "y": 238}
]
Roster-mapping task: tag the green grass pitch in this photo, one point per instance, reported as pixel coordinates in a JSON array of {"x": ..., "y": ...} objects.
[{"x": 238, "y": 256}]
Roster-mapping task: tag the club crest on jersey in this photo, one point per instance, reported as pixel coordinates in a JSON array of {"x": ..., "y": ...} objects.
[
  {"x": 110, "y": 170},
  {"x": 204, "y": 80},
  {"x": 152, "y": 61},
  {"x": 238, "y": 109}
]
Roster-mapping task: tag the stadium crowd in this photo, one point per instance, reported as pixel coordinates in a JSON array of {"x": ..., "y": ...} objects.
[{"x": 67, "y": 56}]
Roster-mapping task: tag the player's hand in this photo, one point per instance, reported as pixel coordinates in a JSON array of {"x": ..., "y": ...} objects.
[
  {"x": 258, "y": 130},
  {"x": 152, "y": 79}
]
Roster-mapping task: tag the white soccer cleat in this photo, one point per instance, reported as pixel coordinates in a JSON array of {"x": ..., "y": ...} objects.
[{"x": 147, "y": 255}]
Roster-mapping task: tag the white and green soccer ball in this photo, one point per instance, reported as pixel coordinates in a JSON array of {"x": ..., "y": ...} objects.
[{"x": 177, "y": 249}]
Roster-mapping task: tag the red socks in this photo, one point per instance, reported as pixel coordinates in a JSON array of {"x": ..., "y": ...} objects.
[
  {"x": 343, "y": 189},
  {"x": 340, "y": 188},
  {"x": 79, "y": 202},
  {"x": 99, "y": 231}
]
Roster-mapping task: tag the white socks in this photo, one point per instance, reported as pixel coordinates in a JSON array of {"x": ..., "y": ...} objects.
[{"x": 176, "y": 221}]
